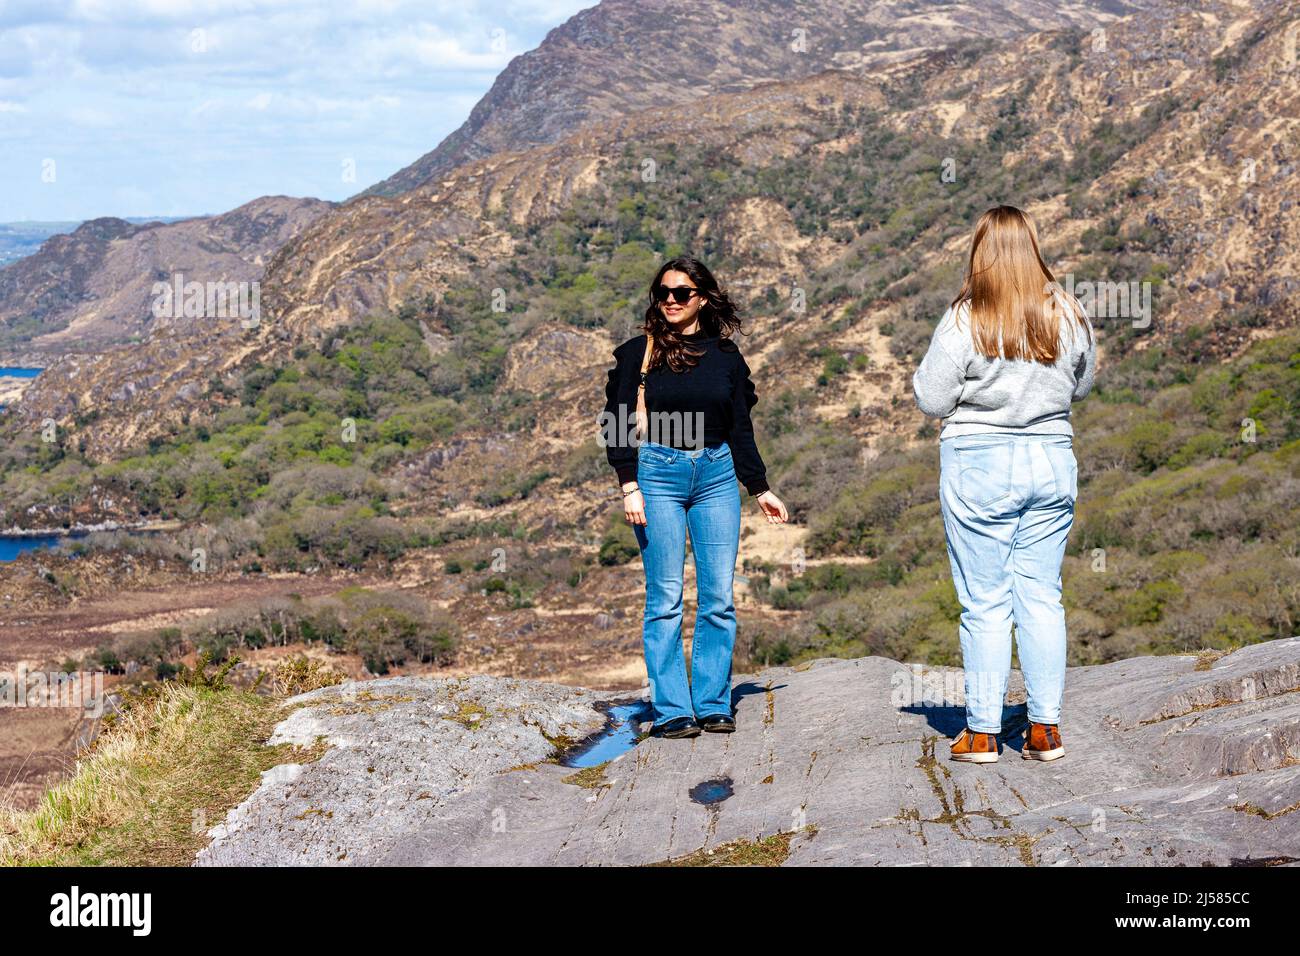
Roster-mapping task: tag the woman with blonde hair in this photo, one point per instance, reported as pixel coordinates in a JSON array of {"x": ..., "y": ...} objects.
[{"x": 1006, "y": 361}]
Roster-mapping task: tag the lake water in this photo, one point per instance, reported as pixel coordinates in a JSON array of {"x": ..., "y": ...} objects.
[
  {"x": 11, "y": 547},
  {"x": 11, "y": 371}
]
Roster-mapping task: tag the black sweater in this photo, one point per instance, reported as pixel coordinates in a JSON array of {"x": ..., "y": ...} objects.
[{"x": 719, "y": 387}]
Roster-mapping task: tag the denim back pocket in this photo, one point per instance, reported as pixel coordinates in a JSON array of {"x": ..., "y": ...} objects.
[
  {"x": 983, "y": 471},
  {"x": 1065, "y": 469}
]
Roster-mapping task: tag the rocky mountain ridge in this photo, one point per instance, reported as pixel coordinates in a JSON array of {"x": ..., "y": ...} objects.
[{"x": 621, "y": 57}]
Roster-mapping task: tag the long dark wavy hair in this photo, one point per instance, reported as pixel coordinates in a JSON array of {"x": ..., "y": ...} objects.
[{"x": 718, "y": 316}]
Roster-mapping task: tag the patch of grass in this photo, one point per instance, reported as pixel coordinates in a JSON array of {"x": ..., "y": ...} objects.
[
  {"x": 1258, "y": 811},
  {"x": 561, "y": 743},
  {"x": 165, "y": 771},
  {"x": 589, "y": 778},
  {"x": 368, "y": 702},
  {"x": 469, "y": 714},
  {"x": 298, "y": 675},
  {"x": 769, "y": 851},
  {"x": 1205, "y": 660}
]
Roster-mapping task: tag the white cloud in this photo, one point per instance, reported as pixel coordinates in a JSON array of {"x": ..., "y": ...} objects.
[{"x": 278, "y": 84}]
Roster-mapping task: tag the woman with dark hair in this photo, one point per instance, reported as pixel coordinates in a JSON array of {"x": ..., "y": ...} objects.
[{"x": 690, "y": 393}]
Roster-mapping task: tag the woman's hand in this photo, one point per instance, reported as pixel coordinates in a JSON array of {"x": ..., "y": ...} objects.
[
  {"x": 774, "y": 508},
  {"x": 633, "y": 504}
]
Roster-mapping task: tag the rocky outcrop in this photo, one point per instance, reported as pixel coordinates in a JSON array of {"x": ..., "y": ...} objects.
[
  {"x": 1170, "y": 761},
  {"x": 549, "y": 356}
]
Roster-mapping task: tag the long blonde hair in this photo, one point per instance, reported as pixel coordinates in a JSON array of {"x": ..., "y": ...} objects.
[{"x": 1014, "y": 300}]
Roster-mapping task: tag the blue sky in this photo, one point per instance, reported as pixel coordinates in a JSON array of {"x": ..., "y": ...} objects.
[{"x": 178, "y": 107}]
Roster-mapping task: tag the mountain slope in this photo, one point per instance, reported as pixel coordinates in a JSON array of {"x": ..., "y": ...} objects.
[
  {"x": 93, "y": 288},
  {"x": 1213, "y": 102},
  {"x": 624, "y": 56}
]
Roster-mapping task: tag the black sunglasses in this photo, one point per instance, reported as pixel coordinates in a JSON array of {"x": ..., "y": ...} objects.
[{"x": 680, "y": 293}]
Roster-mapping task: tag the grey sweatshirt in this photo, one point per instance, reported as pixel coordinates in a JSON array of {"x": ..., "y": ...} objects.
[{"x": 974, "y": 394}]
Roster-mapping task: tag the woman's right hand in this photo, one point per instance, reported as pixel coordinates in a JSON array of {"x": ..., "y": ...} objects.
[{"x": 634, "y": 506}]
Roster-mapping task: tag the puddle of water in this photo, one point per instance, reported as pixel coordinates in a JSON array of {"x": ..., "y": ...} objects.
[
  {"x": 618, "y": 737},
  {"x": 712, "y": 792}
]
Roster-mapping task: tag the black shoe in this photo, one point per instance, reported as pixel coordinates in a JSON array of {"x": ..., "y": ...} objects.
[
  {"x": 718, "y": 723},
  {"x": 676, "y": 727}
]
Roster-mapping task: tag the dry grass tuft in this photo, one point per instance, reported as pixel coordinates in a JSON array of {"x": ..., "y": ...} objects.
[{"x": 165, "y": 771}]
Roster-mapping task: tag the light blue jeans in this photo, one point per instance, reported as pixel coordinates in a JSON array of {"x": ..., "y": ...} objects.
[
  {"x": 1008, "y": 504},
  {"x": 688, "y": 491}
]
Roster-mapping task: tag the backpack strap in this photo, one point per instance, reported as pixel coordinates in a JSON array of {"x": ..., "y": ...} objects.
[
  {"x": 649, "y": 354},
  {"x": 642, "y": 416}
]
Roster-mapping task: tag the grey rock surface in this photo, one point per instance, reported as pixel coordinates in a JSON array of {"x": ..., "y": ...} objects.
[{"x": 1166, "y": 763}]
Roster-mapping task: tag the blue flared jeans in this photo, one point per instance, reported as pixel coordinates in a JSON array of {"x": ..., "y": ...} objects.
[
  {"x": 1008, "y": 504},
  {"x": 691, "y": 492}
]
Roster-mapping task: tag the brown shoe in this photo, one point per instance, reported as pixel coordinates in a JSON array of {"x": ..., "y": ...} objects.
[
  {"x": 1042, "y": 742},
  {"x": 975, "y": 747}
]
